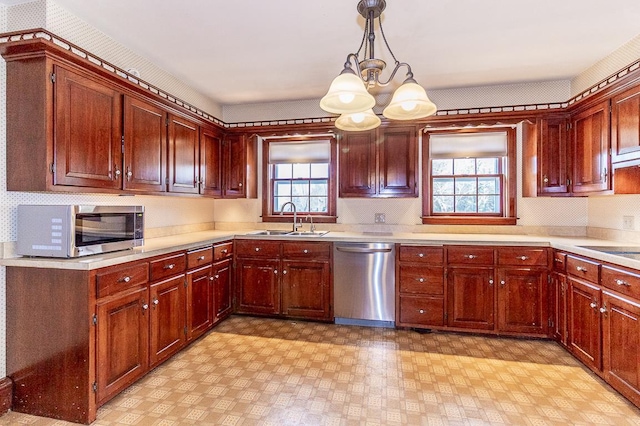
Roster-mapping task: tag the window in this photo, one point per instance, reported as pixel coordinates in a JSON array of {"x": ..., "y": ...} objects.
[
  {"x": 302, "y": 172},
  {"x": 469, "y": 177}
]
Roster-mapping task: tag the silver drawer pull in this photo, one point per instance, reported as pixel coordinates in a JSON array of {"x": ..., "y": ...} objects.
[
  {"x": 581, "y": 269},
  {"x": 420, "y": 280},
  {"x": 490, "y": 283},
  {"x": 305, "y": 251},
  {"x": 603, "y": 310},
  {"x": 502, "y": 283},
  {"x": 420, "y": 254},
  {"x": 593, "y": 305},
  {"x": 623, "y": 282},
  {"x": 170, "y": 266},
  {"x": 257, "y": 248},
  {"x": 470, "y": 256},
  {"x": 216, "y": 276},
  {"x": 145, "y": 306},
  {"x": 225, "y": 251},
  {"x": 421, "y": 311},
  {"x": 275, "y": 271},
  {"x": 284, "y": 272},
  {"x": 201, "y": 258},
  {"x": 558, "y": 260},
  {"x": 156, "y": 301},
  {"x": 523, "y": 258},
  {"x": 125, "y": 279}
]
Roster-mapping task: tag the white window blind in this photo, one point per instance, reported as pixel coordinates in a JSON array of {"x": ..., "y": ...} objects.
[
  {"x": 299, "y": 152},
  {"x": 472, "y": 145}
]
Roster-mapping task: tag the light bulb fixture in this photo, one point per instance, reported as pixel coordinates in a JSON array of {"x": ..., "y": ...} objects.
[{"x": 348, "y": 93}]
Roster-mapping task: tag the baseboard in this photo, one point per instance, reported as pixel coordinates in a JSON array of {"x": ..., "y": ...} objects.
[{"x": 6, "y": 394}]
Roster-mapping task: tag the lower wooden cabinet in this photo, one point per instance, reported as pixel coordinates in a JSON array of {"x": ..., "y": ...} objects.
[
  {"x": 522, "y": 301},
  {"x": 585, "y": 331},
  {"x": 222, "y": 291},
  {"x": 122, "y": 329},
  {"x": 471, "y": 298},
  {"x": 167, "y": 318},
  {"x": 200, "y": 305},
  {"x": 279, "y": 278}
]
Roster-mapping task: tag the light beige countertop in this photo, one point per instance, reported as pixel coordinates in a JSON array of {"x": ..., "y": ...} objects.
[{"x": 163, "y": 245}]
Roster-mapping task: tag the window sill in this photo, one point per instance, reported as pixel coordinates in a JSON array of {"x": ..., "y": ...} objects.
[{"x": 468, "y": 220}]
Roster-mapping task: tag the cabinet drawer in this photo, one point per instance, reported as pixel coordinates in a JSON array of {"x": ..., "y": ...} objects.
[
  {"x": 422, "y": 254},
  {"x": 421, "y": 280},
  {"x": 167, "y": 266},
  {"x": 222, "y": 250},
  {"x": 522, "y": 256},
  {"x": 582, "y": 268},
  {"x": 470, "y": 255},
  {"x": 121, "y": 277},
  {"x": 257, "y": 248},
  {"x": 625, "y": 282},
  {"x": 199, "y": 257},
  {"x": 560, "y": 262},
  {"x": 426, "y": 311},
  {"x": 307, "y": 250}
]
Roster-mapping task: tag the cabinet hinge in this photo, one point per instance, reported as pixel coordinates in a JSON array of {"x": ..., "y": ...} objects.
[
  {"x": 185, "y": 283},
  {"x": 550, "y": 322},
  {"x": 568, "y": 126},
  {"x": 52, "y": 168},
  {"x": 445, "y": 316},
  {"x": 94, "y": 386},
  {"x": 53, "y": 77},
  {"x": 548, "y": 279},
  {"x": 166, "y": 121},
  {"x": 185, "y": 330},
  {"x": 122, "y": 144},
  {"x": 95, "y": 319},
  {"x": 568, "y": 182}
]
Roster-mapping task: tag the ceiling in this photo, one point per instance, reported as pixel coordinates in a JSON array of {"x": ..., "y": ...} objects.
[{"x": 252, "y": 51}]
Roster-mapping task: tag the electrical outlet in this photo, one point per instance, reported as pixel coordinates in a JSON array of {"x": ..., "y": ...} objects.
[
  {"x": 379, "y": 218},
  {"x": 627, "y": 223}
]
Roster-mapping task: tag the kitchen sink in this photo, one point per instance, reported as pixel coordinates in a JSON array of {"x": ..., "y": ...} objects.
[
  {"x": 615, "y": 249},
  {"x": 290, "y": 233}
]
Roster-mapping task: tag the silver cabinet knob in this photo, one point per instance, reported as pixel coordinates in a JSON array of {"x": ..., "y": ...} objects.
[
  {"x": 581, "y": 269},
  {"x": 421, "y": 311},
  {"x": 523, "y": 258},
  {"x": 156, "y": 301},
  {"x": 502, "y": 283},
  {"x": 284, "y": 272},
  {"x": 593, "y": 305},
  {"x": 145, "y": 306},
  {"x": 275, "y": 271},
  {"x": 170, "y": 266},
  {"x": 471, "y": 256},
  {"x": 420, "y": 254},
  {"x": 603, "y": 310},
  {"x": 201, "y": 258},
  {"x": 490, "y": 283},
  {"x": 623, "y": 282},
  {"x": 257, "y": 248},
  {"x": 305, "y": 251},
  {"x": 225, "y": 251},
  {"x": 125, "y": 279},
  {"x": 421, "y": 280}
]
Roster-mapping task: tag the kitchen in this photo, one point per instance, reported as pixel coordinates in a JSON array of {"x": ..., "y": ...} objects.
[{"x": 573, "y": 216}]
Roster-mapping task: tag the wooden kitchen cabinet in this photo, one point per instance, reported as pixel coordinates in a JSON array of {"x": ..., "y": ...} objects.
[
  {"x": 210, "y": 162},
  {"x": 239, "y": 166},
  {"x": 290, "y": 279},
  {"x": 471, "y": 297},
  {"x": 200, "y": 301},
  {"x": 546, "y": 156},
  {"x": 590, "y": 143},
  {"x": 420, "y": 286},
  {"x": 625, "y": 126},
  {"x": 306, "y": 280},
  {"x": 184, "y": 155},
  {"x": 222, "y": 280},
  {"x": 144, "y": 146},
  {"x": 558, "y": 298},
  {"x": 379, "y": 163},
  {"x": 584, "y": 302}
]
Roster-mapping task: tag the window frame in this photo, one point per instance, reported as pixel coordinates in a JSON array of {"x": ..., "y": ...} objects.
[
  {"x": 508, "y": 184},
  {"x": 268, "y": 214}
]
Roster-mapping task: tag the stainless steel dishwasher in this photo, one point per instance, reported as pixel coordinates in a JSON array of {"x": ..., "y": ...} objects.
[{"x": 364, "y": 284}]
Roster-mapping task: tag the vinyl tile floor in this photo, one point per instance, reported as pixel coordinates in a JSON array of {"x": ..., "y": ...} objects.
[{"x": 255, "y": 371}]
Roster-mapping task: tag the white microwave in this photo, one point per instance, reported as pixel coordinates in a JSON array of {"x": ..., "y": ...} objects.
[{"x": 78, "y": 230}]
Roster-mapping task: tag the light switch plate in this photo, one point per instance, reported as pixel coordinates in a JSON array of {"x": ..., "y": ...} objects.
[
  {"x": 628, "y": 223},
  {"x": 379, "y": 218}
]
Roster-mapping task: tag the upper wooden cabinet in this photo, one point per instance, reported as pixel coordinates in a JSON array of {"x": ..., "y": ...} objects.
[
  {"x": 145, "y": 142},
  {"x": 379, "y": 163},
  {"x": 625, "y": 126},
  {"x": 590, "y": 143},
  {"x": 74, "y": 126}
]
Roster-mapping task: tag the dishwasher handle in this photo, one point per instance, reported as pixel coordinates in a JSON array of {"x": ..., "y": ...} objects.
[{"x": 363, "y": 250}]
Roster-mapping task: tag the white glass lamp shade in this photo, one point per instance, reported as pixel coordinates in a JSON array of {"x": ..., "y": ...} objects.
[
  {"x": 409, "y": 102},
  {"x": 347, "y": 94},
  {"x": 358, "y": 121}
]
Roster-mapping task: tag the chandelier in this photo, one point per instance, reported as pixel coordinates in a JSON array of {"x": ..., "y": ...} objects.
[{"x": 348, "y": 94}]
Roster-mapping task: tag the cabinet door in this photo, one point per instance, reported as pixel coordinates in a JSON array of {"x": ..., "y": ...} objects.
[
  {"x": 88, "y": 132},
  {"x": 522, "y": 301},
  {"x": 552, "y": 156},
  {"x": 199, "y": 302},
  {"x": 590, "y": 145},
  {"x": 258, "y": 289},
  {"x": 234, "y": 166},
  {"x": 145, "y": 146},
  {"x": 168, "y": 320},
  {"x": 357, "y": 164},
  {"x": 398, "y": 176},
  {"x": 621, "y": 344},
  {"x": 306, "y": 289},
  {"x": 584, "y": 322},
  {"x": 123, "y": 342},
  {"x": 222, "y": 293},
  {"x": 558, "y": 307},
  {"x": 471, "y": 298},
  {"x": 184, "y": 156},
  {"x": 625, "y": 126},
  {"x": 210, "y": 162}
]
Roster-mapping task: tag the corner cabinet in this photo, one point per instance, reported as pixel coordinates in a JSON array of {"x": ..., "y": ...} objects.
[
  {"x": 590, "y": 143},
  {"x": 379, "y": 163},
  {"x": 625, "y": 126}
]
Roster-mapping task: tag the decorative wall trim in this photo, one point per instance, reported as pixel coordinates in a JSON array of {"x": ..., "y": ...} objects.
[
  {"x": 6, "y": 394},
  {"x": 40, "y": 33}
]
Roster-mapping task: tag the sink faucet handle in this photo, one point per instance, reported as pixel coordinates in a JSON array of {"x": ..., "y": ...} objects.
[{"x": 312, "y": 227}]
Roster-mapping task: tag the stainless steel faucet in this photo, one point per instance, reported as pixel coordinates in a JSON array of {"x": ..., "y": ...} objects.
[
  {"x": 295, "y": 214},
  {"x": 312, "y": 227}
]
